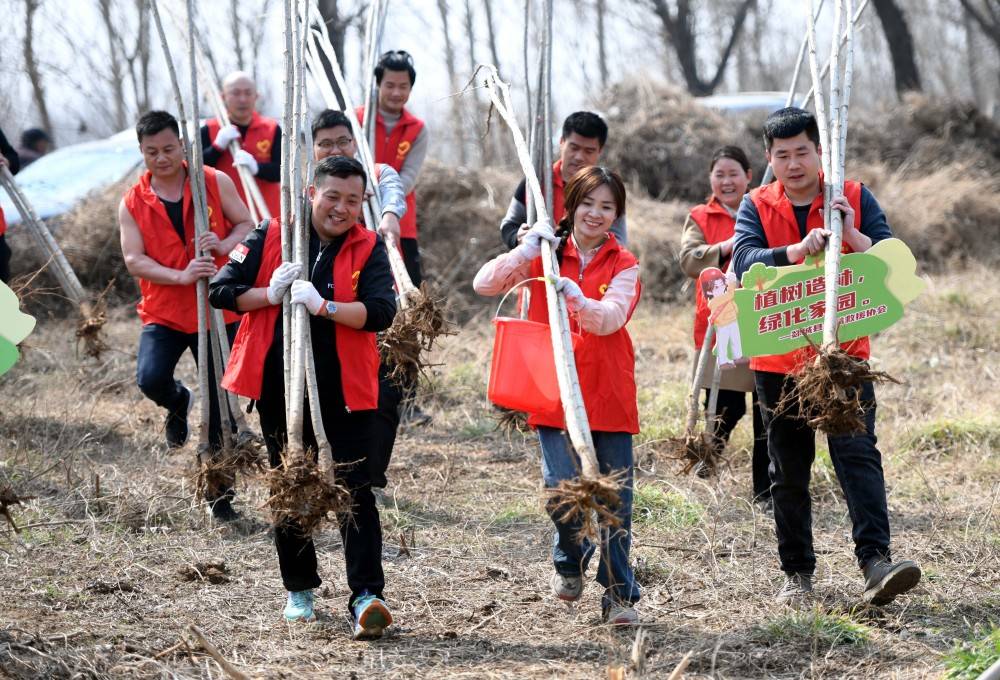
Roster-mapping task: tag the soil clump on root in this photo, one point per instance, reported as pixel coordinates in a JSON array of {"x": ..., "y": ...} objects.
[
  {"x": 589, "y": 502},
  {"x": 303, "y": 495}
]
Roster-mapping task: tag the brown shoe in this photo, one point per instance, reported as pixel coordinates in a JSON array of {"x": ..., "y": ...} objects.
[{"x": 797, "y": 589}]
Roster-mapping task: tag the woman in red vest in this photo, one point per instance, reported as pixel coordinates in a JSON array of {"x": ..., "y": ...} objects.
[
  {"x": 349, "y": 295},
  {"x": 708, "y": 242},
  {"x": 600, "y": 280}
]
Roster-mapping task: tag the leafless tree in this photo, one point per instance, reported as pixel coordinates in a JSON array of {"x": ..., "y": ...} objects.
[
  {"x": 456, "y": 105},
  {"x": 602, "y": 49},
  {"x": 338, "y": 23},
  {"x": 491, "y": 34},
  {"x": 987, "y": 14},
  {"x": 900, "y": 42},
  {"x": 31, "y": 65},
  {"x": 678, "y": 31}
]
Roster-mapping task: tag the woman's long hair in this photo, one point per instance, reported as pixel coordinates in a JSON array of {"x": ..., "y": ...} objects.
[{"x": 581, "y": 185}]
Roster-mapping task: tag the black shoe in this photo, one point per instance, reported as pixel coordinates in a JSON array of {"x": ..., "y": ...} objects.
[
  {"x": 176, "y": 425},
  {"x": 885, "y": 580},
  {"x": 223, "y": 511},
  {"x": 414, "y": 416}
]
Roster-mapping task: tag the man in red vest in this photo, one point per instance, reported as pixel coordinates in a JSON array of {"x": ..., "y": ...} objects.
[
  {"x": 259, "y": 138},
  {"x": 10, "y": 160},
  {"x": 158, "y": 243},
  {"x": 780, "y": 224},
  {"x": 401, "y": 142},
  {"x": 350, "y": 297},
  {"x": 584, "y": 135}
]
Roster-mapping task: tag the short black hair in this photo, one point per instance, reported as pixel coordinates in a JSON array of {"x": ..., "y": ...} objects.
[
  {"x": 153, "y": 122},
  {"x": 733, "y": 153},
  {"x": 586, "y": 124},
  {"x": 395, "y": 60},
  {"x": 329, "y": 118},
  {"x": 32, "y": 136},
  {"x": 788, "y": 122},
  {"x": 339, "y": 166}
]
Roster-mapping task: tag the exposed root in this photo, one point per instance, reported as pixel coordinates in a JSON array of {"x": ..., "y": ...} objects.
[
  {"x": 510, "y": 422},
  {"x": 92, "y": 320},
  {"x": 701, "y": 452},
  {"x": 217, "y": 471},
  {"x": 827, "y": 392},
  {"x": 7, "y": 499},
  {"x": 413, "y": 333},
  {"x": 303, "y": 495},
  {"x": 589, "y": 502}
]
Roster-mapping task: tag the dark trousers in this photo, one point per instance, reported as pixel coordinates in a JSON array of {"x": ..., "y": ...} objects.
[
  {"x": 4, "y": 259},
  {"x": 411, "y": 257},
  {"x": 856, "y": 461},
  {"x": 731, "y": 407},
  {"x": 351, "y": 438},
  {"x": 160, "y": 348},
  {"x": 390, "y": 396}
]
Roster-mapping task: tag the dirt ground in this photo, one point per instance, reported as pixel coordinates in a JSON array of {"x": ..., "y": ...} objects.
[{"x": 116, "y": 557}]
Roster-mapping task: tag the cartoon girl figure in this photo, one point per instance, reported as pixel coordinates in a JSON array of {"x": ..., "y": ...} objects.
[{"x": 719, "y": 290}]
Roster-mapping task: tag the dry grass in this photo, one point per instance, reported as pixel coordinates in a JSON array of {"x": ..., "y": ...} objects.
[{"x": 117, "y": 556}]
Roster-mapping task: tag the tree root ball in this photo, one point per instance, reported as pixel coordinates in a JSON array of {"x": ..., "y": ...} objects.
[
  {"x": 413, "y": 333},
  {"x": 701, "y": 452},
  {"x": 827, "y": 392},
  {"x": 217, "y": 471},
  {"x": 9, "y": 498},
  {"x": 589, "y": 502},
  {"x": 302, "y": 495}
]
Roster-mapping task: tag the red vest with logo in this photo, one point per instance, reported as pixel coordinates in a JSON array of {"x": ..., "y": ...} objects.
[
  {"x": 605, "y": 364},
  {"x": 558, "y": 186},
  {"x": 175, "y": 307},
  {"x": 356, "y": 349},
  {"x": 716, "y": 225},
  {"x": 258, "y": 142},
  {"x": 782, "y": 229},
  {"x": 392, "y": 150}
]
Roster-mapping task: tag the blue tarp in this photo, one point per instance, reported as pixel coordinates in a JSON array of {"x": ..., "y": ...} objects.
[{"x": 58, "y": 181}]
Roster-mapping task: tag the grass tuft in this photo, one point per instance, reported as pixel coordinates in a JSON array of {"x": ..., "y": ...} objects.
[
  {"x": 654, "y": 507},
  {"x": 829, "y": 629},
  {"x": 947, "y": 434},
  {"x": 971, "y": 658}
]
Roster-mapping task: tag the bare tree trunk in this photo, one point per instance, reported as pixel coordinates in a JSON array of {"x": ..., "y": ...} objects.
[
  {"x": 115, "y": 75},
  {"x": 900, "y": 42},
  {"x": 255, "y": 30},
  {"x": 602, "y": 50},
  {"x": 456, "y": 105},
  {"x": 678, "y": 31},
  {"x": 235, "y": 25},
  {"x": 31, "y": 65},
  {"x": 491, "y": 33},
  {"x": 142, "y": 54},
  {"x": 337, "y": 25}
]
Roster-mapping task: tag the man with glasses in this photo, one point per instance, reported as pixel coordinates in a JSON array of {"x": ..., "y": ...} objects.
[{"x": 401, "y": 142}]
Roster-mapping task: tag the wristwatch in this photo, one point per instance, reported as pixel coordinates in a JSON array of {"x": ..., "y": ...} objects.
[{"x": 331, "y": 308}]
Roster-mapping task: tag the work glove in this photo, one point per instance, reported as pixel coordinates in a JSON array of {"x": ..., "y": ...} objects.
[
  {"x": 541, "y": 231},
  {"x": 246, "y": 159},
  {"x": 224, "y": 136},
  {"x": 574, "y": 296},
  {"x": 281, "y": 279},
  {"x": 304, "y": 293}
]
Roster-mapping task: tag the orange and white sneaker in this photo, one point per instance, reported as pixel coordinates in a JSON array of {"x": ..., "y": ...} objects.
[{"x": 371, "y": 616}]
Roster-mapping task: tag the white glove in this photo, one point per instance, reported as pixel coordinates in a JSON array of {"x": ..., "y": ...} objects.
[
  {"x": 532, "y": 242},
  {"x": 304, "y": 293},
  {"x": 246, "y": 159},
  {"x": 574, "y": 296},
  {"x": 281, "y": 279},
  {"x": 225, "y": 135}
]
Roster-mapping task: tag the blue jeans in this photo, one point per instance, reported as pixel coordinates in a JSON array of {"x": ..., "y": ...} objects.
[
  {"x": 160, "y": 348},
  {"x": 569, "y": 555}
]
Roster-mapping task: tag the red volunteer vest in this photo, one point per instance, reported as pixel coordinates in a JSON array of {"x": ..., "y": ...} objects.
[
  {"x": 175, "y": 307},
  {"x": 605, "y": 364},
  {"x": 717, "y": 225},
  {"x": 392, "y": 150},
  {"x": 781, "y": 229},
  {"x": 356, "y": 349},
  {"x": 558, "y": 186},
  {"x": 3, "y": 223},
  {"x": 258, "y": 142}
]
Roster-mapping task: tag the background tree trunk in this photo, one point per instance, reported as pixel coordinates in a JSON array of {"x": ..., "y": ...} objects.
[
  {"x": 456, "y": 101},
  {"x": 337, "y": 23},
  {"x": 602, "y": 48},
  {"x": 900, "y": 42},
  {"x": 31, "y": 66}
]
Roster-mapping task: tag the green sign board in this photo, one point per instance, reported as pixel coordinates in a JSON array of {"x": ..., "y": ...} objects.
[
  {"x": 14, "y": 327},
  {"x": 780, "y": 309}
]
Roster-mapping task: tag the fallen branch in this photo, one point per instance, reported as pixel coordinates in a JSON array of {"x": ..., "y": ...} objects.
[{"x": 227, "y": 667}]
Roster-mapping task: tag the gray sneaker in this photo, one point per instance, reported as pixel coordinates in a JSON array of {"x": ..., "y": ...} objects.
[
  {"x": 796, "y": 589},
  {"x": 885, "y": 580},
  {"x": 620, "y": 614},
  {"x": 567, "y": 588}
]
